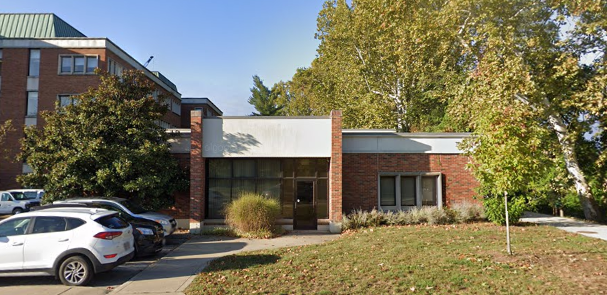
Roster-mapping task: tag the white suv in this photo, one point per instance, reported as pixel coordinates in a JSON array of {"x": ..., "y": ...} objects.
[{"x": 69, "y": 243}]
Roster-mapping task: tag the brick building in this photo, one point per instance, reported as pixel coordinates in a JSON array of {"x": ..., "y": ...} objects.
[
  {"x": 44, "y": 61},
  {"x": 317, "y": 170}
]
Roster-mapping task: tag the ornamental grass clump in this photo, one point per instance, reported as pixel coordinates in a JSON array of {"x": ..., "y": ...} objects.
[
  {"x": 460, "y": 213},
  {"x": 253, "y": 215}
]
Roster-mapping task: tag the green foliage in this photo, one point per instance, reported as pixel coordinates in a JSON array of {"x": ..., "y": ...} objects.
[
  {"x": 461, "y": 213},
  {"x": 106, "y": 144},
  {"x": 5, "y": 128},
  {"x": 263, "y": 100},
  {"x": 495, "y": 211},
  {"x": 254, "y": 215}
]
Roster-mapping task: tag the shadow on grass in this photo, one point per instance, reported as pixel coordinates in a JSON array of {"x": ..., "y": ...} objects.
[{"x": 234, "y": 262}]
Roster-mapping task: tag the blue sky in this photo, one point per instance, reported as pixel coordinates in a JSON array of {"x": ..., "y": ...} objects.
[{"x": 207, "y": 48}]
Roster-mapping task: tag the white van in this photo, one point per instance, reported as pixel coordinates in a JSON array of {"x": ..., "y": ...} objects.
[{"x": 10, "y": 205}]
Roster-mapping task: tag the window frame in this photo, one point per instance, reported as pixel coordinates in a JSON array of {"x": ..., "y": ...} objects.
[
  {"x": 70, "y": 96},
  {"x": 418, "y": 189},
  {"x": 72, "y": 58}
]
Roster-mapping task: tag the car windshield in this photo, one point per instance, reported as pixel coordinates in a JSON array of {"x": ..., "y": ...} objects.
[
  {"x": 19, "y": 196},
  {"x": 133, "y": 207}
]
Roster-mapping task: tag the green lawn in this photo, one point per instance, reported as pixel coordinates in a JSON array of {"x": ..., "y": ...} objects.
[{"x": 464, "y": 259}]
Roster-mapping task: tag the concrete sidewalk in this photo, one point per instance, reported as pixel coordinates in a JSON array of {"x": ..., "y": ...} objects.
[
  {"x": 588, "y": 229},
  {"x": 173, "y": 273}
]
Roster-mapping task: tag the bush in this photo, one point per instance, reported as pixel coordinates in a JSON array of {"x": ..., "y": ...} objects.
[
  {"x": 253, "y": 215},
  {"x": 465, "y": 212},
  {"x": 494, "y": 209}
]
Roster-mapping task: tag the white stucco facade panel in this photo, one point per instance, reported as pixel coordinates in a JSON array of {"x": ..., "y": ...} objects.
[
  {"x": 401, "y": 143},
  {"x": 242, "y": 137}
]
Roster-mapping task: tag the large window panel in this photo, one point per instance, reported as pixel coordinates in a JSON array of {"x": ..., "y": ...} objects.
[
  {"x": 79, "y": 64},
  {"x": 66, "y": 64},
  {"x": 244, "y": 168},
  {"x": 268, "y": 168},
  {"x": 218, "y": 197},
  {"x": 305, "y": 168},
  {"x": 34, "y": 67},
  {"x": 322, "y": 198},
  {"x": 91, "y": 64},
  {"x": 269, "y": 188},
  {"x": 220, "y": 168},
  {"x": 387, "y": 191},
  {"x": 286, "y": 200},
  {"x": 429, "y": 191},
  {"x": 32, "y": 104},
  {"x": 242, "y": 186},
  {"x": 407, "y": 191}
]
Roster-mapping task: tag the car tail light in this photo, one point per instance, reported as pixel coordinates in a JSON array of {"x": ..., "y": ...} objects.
[
  {"x": 108, "y": 235},
  {"x": 110, "y": 256}
]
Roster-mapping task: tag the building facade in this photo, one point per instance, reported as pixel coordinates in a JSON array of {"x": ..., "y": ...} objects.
[
  {"x": 315, "y": 169},
  {"x": 43, "y": 62}
]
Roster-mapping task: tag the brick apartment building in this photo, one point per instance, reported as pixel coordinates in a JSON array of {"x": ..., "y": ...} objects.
[{"x": 44, "y": 60}]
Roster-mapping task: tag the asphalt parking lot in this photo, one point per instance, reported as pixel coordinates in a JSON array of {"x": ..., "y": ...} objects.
[{"x": 103, "y": 283}]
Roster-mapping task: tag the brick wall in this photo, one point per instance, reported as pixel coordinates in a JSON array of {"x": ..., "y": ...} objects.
[
  {"x": 335, "y": 168},
  {"x": 197, "y": 172},
  {"x": 360, "y": 180}
]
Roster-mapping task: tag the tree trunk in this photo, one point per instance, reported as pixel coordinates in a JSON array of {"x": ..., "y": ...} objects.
[{"x": 581, "y": 185}]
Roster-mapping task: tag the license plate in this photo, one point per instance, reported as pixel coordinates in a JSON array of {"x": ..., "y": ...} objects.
[{"x": 127, "y": 246}]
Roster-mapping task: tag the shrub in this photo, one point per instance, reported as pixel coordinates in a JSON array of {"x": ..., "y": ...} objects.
[
  {"x": 494, "y": 209},
  {"x": 253, "y": 215},
  {"x": 468, "y": 212},
  {"x": 431, "y": 215}
]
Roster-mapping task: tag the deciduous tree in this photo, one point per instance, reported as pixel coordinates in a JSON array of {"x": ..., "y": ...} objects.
[{"x": 108, "y": 144}]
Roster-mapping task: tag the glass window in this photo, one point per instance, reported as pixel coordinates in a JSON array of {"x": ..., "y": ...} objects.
[
  {"x": 220, "y": 168},
  {"x": 269, "y": 168},
  {"x": 79, "y": 64},
  {"x": 45, "y": 224},
  {"x": 34, "y": 70},
  {"x": 91, "y": 64},
  {"x": 65, "y": 100},
  {"x": 14, "y": 227},
  {"x": 66, "y": 64},
  {"x": 407, "y": 190},
  {"x": 269, "y": 188},
  {"x": 387, "y": 191},
  {"x": 322, "y": 197},
  {"x": 219, "y": 196},
  {"x": 429, "y": 191},
  {"x": 32, "y": 104},
  {"x": 73, "y": 223},
  {"x": 244, "y": 168},
  {"x": 322, "y": 167},
  {"x": 288, "y": 167},
  {"x": 6, "y": 197},
  {"x": 306, "y": 168},
  {"x": 286, "y": 200},
  {"x": 241, "y": 186}
]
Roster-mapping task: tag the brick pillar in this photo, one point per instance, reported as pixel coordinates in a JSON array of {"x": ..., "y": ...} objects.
[
  {"x": 197, "y": 173},
  {"x": 335, "y": 173}
]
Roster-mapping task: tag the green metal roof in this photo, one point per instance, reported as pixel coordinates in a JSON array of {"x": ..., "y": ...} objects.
[{"x": 35, "y": 25}]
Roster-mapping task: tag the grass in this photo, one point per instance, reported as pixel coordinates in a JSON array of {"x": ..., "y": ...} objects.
[{"x": 420, "y": 259}]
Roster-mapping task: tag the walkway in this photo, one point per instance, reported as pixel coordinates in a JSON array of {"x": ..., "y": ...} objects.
[
  {"x": 568, "y": 224},
  {"x": 173, "y": 273}
]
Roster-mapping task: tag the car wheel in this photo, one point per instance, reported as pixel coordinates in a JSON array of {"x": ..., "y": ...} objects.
[
  {"x": 17, "y": 210},
  {"x": 75, "y": 271}
]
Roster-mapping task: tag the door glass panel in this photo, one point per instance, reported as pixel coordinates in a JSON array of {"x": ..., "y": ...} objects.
[
  {"x": 322, "y": 206},
  {"x": 407, "y": 191},
  {"x": 429, "y": 191},
  {"x": 286, "y": 201},
  {"x": 219, "y": 196},
  {"x": 14, "y": 227},
  {"x": 387, "y": 191},
  {"x": 305, "y": 217},
  {"x": 48, "y": 225}
]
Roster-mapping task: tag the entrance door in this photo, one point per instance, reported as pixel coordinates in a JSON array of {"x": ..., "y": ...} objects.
[{"x": 305, "y": 215}]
